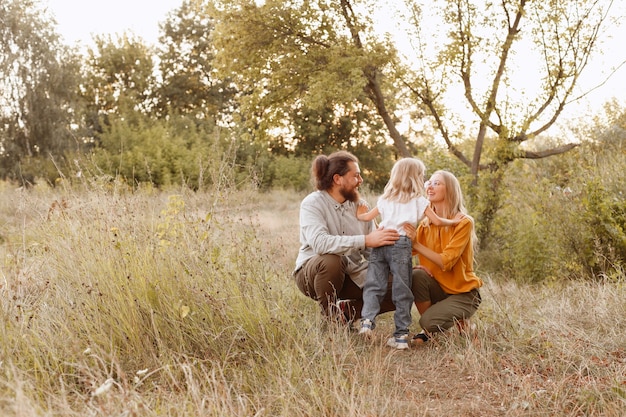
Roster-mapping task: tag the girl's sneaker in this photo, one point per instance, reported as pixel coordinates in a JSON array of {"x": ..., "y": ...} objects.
[
  {"x": 366, "y": 327},
  {"x": 399, "y": 342}
]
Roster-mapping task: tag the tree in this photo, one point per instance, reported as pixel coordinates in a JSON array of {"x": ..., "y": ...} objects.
[
  {"x": 119, "y": 78},
  {"x": 289, "y": 58},
  {"x": 186, "y": 53},
  {"x": 490, "y": 50},
  {"x": 38, "y": 79},
  {"x": 324, "y": 130},
  {"x": 319, "y": 52}
]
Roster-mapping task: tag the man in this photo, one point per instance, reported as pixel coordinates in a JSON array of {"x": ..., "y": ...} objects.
[{"x": 334, "y": 245}]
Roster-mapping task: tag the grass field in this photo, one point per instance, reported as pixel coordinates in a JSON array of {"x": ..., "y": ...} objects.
[{"x": 173, "y": 303}]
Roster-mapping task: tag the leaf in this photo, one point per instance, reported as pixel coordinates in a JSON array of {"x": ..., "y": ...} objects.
[{"x": 184, "y": 311}]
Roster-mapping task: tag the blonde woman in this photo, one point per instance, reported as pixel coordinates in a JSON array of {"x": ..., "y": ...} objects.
[
  {"x": 445, "y": 286},
  {"x": 403, "y": 202}
]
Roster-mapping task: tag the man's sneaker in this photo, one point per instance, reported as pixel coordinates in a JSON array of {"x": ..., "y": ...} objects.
[
  {"x": 346, "y": 309},
  {"x": 366, "y": 327},
  {"x": 399, "y": 342},
  {"x": 342, "y": 311},
  {"x": 420, "y": 338}
]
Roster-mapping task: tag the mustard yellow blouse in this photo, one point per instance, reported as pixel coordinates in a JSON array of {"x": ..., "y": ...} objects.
[{"x": 455, "y": 246}]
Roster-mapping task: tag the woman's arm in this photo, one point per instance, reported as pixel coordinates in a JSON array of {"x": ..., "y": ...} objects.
[{"x": 433, "y": 256}]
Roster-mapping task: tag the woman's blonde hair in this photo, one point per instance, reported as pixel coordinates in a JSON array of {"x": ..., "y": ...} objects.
[
  {"x": 454, "y": 200},
  {"x": 454, "y": 195},
  {"x": 406, "y": 180}
]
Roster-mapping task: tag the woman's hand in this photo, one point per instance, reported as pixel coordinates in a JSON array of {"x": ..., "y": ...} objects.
[{"x": 411, "y": 231}]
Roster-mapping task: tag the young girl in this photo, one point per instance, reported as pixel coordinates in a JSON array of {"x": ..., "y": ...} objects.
[{"x": 402, "y": 202}]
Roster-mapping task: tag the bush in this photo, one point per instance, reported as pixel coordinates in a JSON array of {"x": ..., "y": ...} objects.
[
  {"x": 563, "y": 217},
  {"x": 180, "y": 150},
  {"x": 290, "y": 172}
]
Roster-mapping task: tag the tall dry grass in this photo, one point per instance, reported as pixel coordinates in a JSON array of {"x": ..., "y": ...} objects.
[{"x": 172, "y": 303}]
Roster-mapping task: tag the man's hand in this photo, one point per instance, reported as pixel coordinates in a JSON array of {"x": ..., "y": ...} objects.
[{"x": 381, "y": 237}]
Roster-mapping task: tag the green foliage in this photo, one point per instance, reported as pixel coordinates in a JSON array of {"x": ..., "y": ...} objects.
[
  {"x": 564, "y": 217},
  {"x": 290, "y": 172},
  {"x": 487, "y": 199},
  {"x": 376, "y": 158},
  {"x": 186, "y": 53},
  {"x": 180, "y": 150},
  {"x": 34, "y": 169},
  {"x": 118, "y": 77},
  {"x": 528, "y": 231},
  {"x": 604, "y": 213},
  {"x": 301, "y": 75},
  {"x": 324, "y": 130},
  {"x": 436, "y": 157},
  {"x": 38, "y": 81}
]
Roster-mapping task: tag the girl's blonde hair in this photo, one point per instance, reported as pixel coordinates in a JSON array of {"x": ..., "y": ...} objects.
[{"x": 406, "y": 181}]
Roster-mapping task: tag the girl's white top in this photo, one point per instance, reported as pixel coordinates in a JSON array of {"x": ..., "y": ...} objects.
[{"x": 394, "y": 215}]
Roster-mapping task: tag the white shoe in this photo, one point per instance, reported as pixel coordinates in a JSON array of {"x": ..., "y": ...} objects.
[
  {"x": 400, "y": 342},
  {"x": 366, "y": 327}
]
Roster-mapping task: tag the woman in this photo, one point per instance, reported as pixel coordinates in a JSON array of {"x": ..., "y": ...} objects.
[{"x": 444, "y": 285}]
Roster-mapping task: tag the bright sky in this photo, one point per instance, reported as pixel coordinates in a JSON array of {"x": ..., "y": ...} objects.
[{"x": 78, "y": 20}]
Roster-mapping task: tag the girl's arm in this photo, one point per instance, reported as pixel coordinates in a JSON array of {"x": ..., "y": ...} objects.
[
  {"x": 440, "y": 221},
  {"x": 364, "y": 215}
]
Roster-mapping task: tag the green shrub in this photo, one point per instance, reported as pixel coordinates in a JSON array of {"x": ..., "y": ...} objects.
[
  {"x": 180, "y": 150},
  {"x": 290, "y": 172},
  {"x": 563, "y": 217}
]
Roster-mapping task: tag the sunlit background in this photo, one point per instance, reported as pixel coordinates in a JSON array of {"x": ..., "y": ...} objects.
[{"x": 80, "y": 20}]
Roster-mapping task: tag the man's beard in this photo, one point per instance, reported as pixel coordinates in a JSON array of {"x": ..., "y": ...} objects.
[{"x": 350, "y": 195}]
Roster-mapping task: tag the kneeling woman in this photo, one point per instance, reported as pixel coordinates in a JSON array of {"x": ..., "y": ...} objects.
[{"x": 444, "y": 285}]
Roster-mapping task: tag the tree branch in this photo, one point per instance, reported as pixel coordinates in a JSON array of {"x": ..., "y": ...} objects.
[
  {"x": 549, "y": 152},
  {"x": 429, "y": 101},
  {"x": 372, "y": 88}
]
